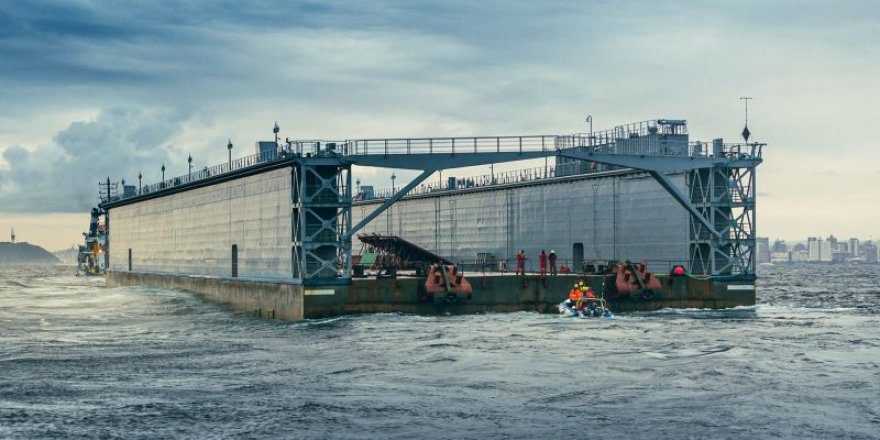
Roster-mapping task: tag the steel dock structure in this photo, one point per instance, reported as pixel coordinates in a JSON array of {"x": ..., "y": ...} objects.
[{"x": 275, "y": 230}]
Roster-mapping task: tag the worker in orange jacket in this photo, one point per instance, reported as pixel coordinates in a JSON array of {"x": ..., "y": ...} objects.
[{"x": 587, "y": 293}]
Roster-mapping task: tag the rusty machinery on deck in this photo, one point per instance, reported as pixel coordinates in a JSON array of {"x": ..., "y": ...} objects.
[{"x": 393, "y": 253}]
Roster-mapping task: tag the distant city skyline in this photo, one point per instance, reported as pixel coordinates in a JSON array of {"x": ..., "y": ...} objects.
[{"x": 824, "y": 249}]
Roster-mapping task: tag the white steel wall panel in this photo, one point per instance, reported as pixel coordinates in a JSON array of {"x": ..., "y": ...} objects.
[
  {"x": 192, "y": 232},
  {"x": 615, "y": 217}
]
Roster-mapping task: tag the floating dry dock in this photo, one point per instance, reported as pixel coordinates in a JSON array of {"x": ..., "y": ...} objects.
[{"x": 273, "y": 233}]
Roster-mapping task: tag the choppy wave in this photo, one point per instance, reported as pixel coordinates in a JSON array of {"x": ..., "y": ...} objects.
[{"x": 83, "y": 361}]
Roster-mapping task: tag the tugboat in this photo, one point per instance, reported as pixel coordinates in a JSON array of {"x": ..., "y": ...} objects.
[{"x": 91, "y": 260}]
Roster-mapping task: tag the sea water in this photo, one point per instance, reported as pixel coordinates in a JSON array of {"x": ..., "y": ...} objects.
[{"x": 79, "y": 360}]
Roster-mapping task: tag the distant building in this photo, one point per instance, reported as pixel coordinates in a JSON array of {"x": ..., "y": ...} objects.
[
  {"x": 798, "y": 256},
  {"x": 832, "y": 242},
  {"x": 763, "y": 250},
  {"x": 799, "y": 248},
  {"x": 780, "y": 257},
  {"x": 812, "y": 249},
  {"x": 779, "y": 246},
  {"x": 843, "y": 247},
  {"x": 818, "y": 250},
  {"x": 825, "y": 253},
  {"x": 872, "y": 253},
  {"x": 854, "y": 247},
  {"x": 839, "y": 257}
]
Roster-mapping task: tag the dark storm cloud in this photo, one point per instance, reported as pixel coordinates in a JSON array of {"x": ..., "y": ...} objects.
[
  {"x": 91, "y": 42},
  {"x": 64, "y": 175}
]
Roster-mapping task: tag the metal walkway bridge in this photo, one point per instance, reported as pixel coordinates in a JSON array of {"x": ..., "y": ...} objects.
[{"x": 720, "y": 198}]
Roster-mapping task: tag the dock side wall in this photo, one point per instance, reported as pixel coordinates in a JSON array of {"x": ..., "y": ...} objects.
[
  {"x": 193, "y": 231},
  {"x": 500, "y": 293},
  {"x": 266, "y": 299},
  {"x": 491, "y": 293},
  {"x": 612, "y": 217}
]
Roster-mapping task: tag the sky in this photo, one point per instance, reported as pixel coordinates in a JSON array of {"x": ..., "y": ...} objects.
[{"x": 91, "y": 89}]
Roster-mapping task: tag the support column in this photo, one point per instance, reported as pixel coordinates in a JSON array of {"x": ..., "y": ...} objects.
[{"x": 321, "y": 221}]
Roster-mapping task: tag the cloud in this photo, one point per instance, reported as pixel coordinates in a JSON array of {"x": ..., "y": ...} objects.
[{"x": 63, "y": 176}]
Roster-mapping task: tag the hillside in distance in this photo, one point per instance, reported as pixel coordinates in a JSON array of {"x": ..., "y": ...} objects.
[{"x": 25, "y": 253}]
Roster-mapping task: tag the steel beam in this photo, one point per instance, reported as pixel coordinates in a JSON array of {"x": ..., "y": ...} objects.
[
  {"x": 658, "y": 163},
  {"x": 683, "y": 200},
  {"x": 419, "y": 161},
  {"x": 421, "y": 178}
]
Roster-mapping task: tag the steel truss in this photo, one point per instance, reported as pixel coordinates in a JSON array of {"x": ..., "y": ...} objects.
[
  {"x": 726, "y": 197},
  {"x": 321, "y": 220},
  {"x": 720, "y": 202}
]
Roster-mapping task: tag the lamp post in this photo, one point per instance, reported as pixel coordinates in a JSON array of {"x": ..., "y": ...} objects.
[
  {"x": 140, "y": 176},
  {"x": 391, "y": 209},
  {"x": 190, "y": 161},
  {"x": 229, "y": 147},
  {"x": 593, "y": 238},
  {"x": 590, "y": 120},
  {"x": 163, "y": 174}
]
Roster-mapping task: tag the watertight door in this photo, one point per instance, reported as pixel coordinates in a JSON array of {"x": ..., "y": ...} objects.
[
  {"x": 577, "y": 256},
  {"x": 234, "y": 260}
]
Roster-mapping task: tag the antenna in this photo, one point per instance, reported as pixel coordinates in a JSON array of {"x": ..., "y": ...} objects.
[{"x": 746, "y": 133}]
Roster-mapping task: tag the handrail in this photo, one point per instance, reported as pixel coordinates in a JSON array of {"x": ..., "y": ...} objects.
[
  {"x": 451, "y": 145},
  {"x": 476, "y": 181},
  {"x": 204, "y": 173}
]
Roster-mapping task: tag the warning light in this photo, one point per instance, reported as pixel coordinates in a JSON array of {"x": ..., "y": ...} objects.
[{"x": 678, "y": 270}]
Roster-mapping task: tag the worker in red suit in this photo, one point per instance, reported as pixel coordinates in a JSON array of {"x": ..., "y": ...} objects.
[
  {"x": 521, "y": 262},
  {"x": 542, "y": 261}
]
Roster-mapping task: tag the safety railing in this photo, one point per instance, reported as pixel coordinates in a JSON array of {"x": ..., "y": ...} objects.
[
  {"x": 589, "y": 266},
  {"x": 751, "y": 150},
  {"x": 452, "y": 145},
  {"x": 625, "y": 131},
  {"x": 601, "y": 144},
  {"x": 206, "y": 172},
  {"x": 476, "y": 181}
]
